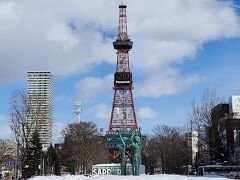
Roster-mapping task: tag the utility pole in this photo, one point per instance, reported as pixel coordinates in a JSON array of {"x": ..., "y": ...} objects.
[
  {"x": 43, "y": 165},
  {"x": 187, "y": 152},
  {"x": 15, "y": 170},
  {"x": 44, "y": 150},
  {"x": 198, "y": 146}
]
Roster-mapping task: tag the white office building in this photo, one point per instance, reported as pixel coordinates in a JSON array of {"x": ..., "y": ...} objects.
[{"x": 40, "y": 94}]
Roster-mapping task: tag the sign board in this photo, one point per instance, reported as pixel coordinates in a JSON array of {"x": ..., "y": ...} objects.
[
  {"x": 234, "y": 104},
  {"x": 113, "y": 169},
  {"x": 124, "y": 78},
  {"x": 19, "y": 163},
  {"x": 10, "y": 163}
]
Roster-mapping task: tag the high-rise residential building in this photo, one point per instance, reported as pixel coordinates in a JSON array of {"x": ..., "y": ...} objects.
[{"x": 40, "y": 94}]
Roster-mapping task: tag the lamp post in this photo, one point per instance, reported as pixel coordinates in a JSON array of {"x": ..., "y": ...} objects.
[
  {"x": 43, "y": 164},
  {"x": 44, "y": 150},
  {"x": 237, "y": 161},
  {"x": 16, "y": 163}
]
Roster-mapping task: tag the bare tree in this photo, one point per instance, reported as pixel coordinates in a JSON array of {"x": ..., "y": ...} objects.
[
  {"x": 7, "y": 149},
  {"x": 200, "y": 116},
  {"x": 172, "y": 147},
  {"x": 201, "y": 112},
  {"x": 149, "y": 153},
  {"x": 82, "y": 147},
  {"x": 202, "y": 121},
  {"x": 167, "y": 149},
  {"x": 25, "y": 114}
]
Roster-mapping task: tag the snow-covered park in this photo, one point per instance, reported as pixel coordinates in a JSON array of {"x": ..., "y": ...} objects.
[{"x": 142, "y": 177}]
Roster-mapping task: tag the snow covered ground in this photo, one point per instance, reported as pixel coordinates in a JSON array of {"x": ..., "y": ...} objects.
[{"x": 143, "y": 177}]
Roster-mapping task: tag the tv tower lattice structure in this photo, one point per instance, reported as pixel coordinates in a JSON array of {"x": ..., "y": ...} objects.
[
  {"x": 77, "y": 111},
  {"x": 123, "y": 116}
]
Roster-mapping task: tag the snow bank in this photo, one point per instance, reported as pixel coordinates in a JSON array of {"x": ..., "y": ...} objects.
[
  {"x": 60, "y": 177},
  {"x": 143, "y": 177}
]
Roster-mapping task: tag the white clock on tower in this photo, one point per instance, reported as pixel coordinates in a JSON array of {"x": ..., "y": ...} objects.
[{"x": 234, "y": 104}]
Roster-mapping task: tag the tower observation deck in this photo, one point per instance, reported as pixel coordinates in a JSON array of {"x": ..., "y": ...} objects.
[{"x": 123, "y": 117}]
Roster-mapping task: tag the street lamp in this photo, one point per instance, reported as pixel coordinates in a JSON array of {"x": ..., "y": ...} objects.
[
  {"x": 17, "y": 163},
  {"x": 44, "y": 150}
]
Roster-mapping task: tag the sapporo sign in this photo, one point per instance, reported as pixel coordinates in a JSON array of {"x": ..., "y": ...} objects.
[{"x": 111, "y": 169}]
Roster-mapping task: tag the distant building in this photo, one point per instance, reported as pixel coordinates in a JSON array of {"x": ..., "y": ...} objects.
[
  {"x": 58, "y": 149},
  {"x": 40, "y": 94},
  {"x": 225, "y": 131},
  {"x": 192, "y": 140},
  {"x": 216, "y": 147}
]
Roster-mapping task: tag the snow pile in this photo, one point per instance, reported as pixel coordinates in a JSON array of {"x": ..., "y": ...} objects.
[
  {"x": 143, "y": 177},
  {"x": 60, "y": 177}
]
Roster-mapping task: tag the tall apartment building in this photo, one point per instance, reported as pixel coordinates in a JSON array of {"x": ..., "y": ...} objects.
[{"x": 40, "y": 94}]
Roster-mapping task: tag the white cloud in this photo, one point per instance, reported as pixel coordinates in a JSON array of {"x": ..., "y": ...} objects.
[
  {"x": 91, "y": 88},
  {"x": 146, "y": 113},
  {"x": 101, "y": 111},
  {"x": 162, "y": 53},
  {"x": 168, "y": 82},
  {"x": 6, "y": 10},
  {"x": 60, "y": 35},
  {"x": 170, "y": 31},
  {"x": 184, "y": 19},
  {"x": 68, "y": 37}
]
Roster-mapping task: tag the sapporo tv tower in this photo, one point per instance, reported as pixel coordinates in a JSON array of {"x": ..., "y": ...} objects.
[{"x": 123, "y": 117}]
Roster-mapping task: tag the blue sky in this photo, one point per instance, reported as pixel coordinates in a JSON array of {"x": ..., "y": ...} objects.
[{"x": 181, "y": 48}]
